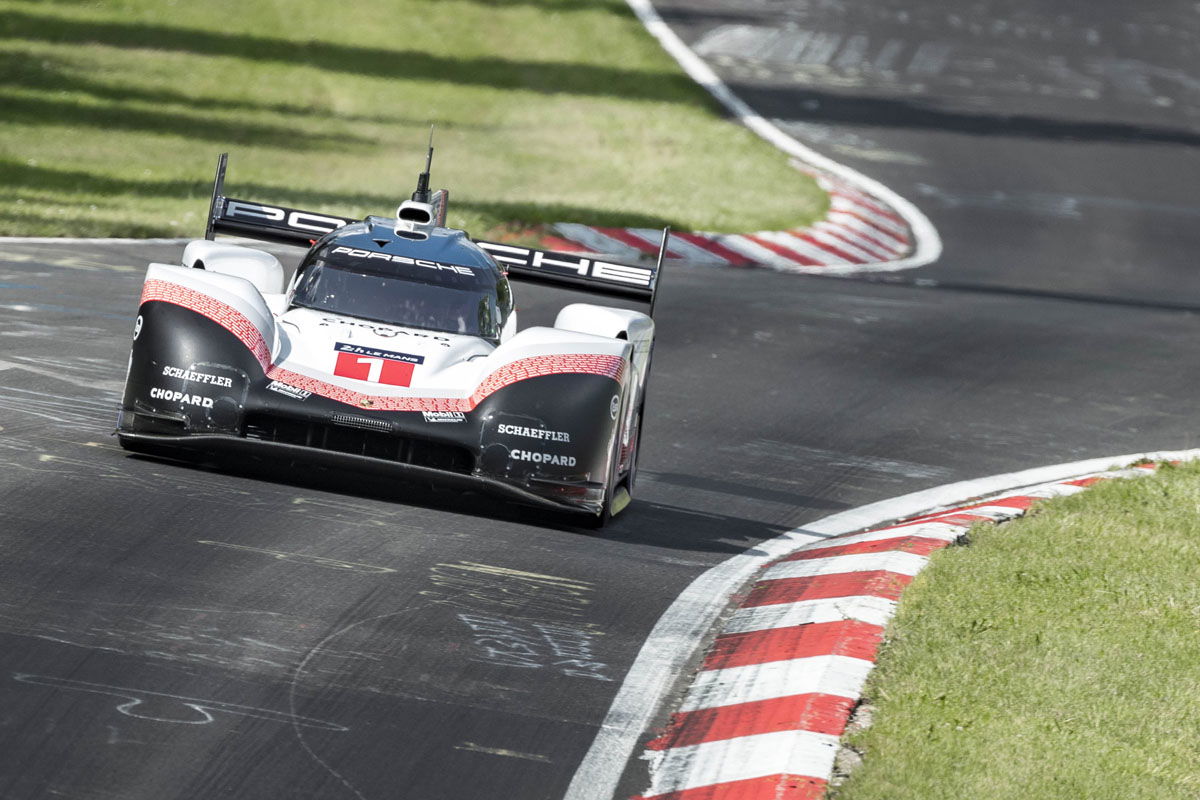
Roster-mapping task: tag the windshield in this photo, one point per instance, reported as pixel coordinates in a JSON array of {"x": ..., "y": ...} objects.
[{"x": 355, "y": 292}]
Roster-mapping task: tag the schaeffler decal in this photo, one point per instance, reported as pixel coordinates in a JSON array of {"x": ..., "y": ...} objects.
[
  {"x": 533, "y": 433},
  {"x": 368, "y": 255},
  {"x": 374, "y": 365},
  {"x": 571, "y": 266},
  {"x": 542, "y": 458},
  {"x": 196, "y": 377},
  {"x": 170, "y": 395},
  {"x": 444, "y": 416},
  {"x": 288, "y": 391}
]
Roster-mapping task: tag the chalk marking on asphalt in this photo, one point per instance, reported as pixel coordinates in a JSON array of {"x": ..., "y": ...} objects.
[
  {"x": 498, "y": 751},
  {"x": 300, "y": 558},
  {"x": 679, "y": 631}
]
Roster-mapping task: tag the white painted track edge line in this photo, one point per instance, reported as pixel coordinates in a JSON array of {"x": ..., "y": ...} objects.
[
  {"x": 672, "y": 641},
  {"x": 928, "y": 244}
]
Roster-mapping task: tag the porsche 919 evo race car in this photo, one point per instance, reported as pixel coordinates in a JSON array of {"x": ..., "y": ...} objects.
[{"x": 394, "y": 347}]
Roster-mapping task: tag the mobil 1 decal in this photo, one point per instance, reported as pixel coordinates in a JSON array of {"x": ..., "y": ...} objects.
[{"x": 375, "y": 365}]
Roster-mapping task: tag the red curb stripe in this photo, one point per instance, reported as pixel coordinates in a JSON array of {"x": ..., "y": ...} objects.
[
  {"x": 790, "y": 255},
  {"x": 851, "y": 638},
  {"x": 921, "y": 545},
  {"x": 1086, "y": 482},
  {"x": 870, "y": 203},
  {"x": 815, "y": 712},
  {"x": 833, "y": 250},
  {"x": 562, "y": 245},
  {"x": 633, "y": 240},
  {"x": 872, "y": 583},
  {"x": 1019, "y": 501},
  {"x": 844, "y": 235},
  {"x": 733, "y": 257},
  {"x": 874, "y": 228},
  {"x": 768, "y": 787}
]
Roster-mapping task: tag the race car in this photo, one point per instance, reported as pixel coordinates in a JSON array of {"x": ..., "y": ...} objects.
[{"x": 393, "y": 348}]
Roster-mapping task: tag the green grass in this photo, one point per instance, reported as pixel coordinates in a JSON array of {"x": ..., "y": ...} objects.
[
  {"x": 1057, "y": 656},
  {"x": 112, "y": 115}
]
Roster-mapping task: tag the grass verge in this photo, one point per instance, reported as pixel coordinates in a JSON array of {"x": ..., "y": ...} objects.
[
  {"x": 547, "y": 110},
  {"x": 1056, "y": 657}
]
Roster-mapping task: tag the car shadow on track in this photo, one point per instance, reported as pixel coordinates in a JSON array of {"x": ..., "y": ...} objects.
[{"x": 643, "y": 523}]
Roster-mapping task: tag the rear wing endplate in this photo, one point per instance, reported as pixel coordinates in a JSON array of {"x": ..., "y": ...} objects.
[{"x": 292, "y": 226}]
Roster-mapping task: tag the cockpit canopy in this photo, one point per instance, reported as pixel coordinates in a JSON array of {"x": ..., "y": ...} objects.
[{"x": 358, "y": 277}]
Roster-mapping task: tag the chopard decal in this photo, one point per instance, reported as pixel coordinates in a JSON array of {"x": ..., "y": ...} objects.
[
  {"x": 196, "y": 377},
  {"x": 158, "y": 393},
  {"x": 542, "y": 458},
  {"x": 289, "y": 391},
  {"x": 367, "y": 254},
  {"x": 533, "y": 433}
]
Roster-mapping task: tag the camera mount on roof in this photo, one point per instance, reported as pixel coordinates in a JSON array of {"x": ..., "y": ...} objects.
[{"x": 415, "y": 218}]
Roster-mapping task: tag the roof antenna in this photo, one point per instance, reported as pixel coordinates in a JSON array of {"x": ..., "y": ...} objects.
[{"x": 421, "y": 195}]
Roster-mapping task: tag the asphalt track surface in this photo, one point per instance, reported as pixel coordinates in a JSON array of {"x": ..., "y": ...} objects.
[{"x": 173, "y": 631}]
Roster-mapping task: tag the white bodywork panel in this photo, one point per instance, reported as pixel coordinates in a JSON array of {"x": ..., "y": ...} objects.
[
  {"x": 305, "y": 340},
  {"x": 260, "y": 268}
]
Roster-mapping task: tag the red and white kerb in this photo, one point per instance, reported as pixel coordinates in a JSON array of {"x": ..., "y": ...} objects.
[
  {"x": 248, "y": 334},
  {"x": 763, "y": 716}
]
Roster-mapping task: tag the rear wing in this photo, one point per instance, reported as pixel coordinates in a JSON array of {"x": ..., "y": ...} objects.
[{"x": 291, "y": 226}]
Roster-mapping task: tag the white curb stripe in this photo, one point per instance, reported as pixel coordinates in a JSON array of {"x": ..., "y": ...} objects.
[
  {"x": 822, "y": 237},
  {"x": 882, "y": 237},
  {"x": 861, "y": 608},
  {"x": 797, "y": 245},
  {"x": 595, "y": 240},
  {"x": 902, "y": 563},
  {"x": 837, "y": 675},
  {"x": 794, "y": 752},
  {"x": 694, "y": 253},
  {"x": 852, "y": 236}
]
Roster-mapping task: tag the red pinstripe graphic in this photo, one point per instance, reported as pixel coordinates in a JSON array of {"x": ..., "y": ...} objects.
[
  {"x": 790, "y": 255},
  {"x": 224, "y": 315},
  {"x": 716, "y": 248},
  {"x": 874, "y": 583},
  {"x": 522, "y": 369},
  {"x": 816, "y": 712},
  {"x": 921, "y": 545},
  {"x": 851, "y": 638},
  {"x": 769, "y": 787}
]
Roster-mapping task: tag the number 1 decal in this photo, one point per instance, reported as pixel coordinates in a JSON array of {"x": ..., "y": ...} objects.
[{"x": 374, "y": 369}]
